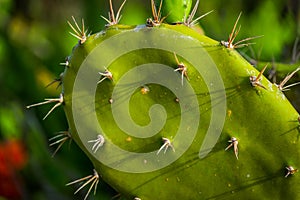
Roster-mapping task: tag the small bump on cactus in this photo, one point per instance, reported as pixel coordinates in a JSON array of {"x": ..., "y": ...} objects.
[
  {"x": 166, "y": 145},
  {"x": 181, "y": 68},
  {"x": 112, "y": 19},
  {"x": 256, "y": 80},
  {"x": 106, "y": 75},
  {"x": 229, "y": 44},
  {"x": 290, "y": 171},
  {"x": 79, "y": 33},
  {"x": 99, "y": 142},
  {"x": 93, "y": 179},
  {"x": 66, "y": 63},
  {"x": 60, "y": 138},
  {"x": 286, "y": 79},
  {"x": 59, "y": 101},
  {"x": 157, "y": 19},
  {"x": 233, "y": 143}
]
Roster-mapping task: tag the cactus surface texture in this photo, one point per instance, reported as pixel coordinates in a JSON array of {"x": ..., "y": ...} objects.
[{"x": 164, "y": 112}]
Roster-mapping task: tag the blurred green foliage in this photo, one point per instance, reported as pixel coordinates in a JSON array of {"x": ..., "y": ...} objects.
[{"x": 34, "y": 39}]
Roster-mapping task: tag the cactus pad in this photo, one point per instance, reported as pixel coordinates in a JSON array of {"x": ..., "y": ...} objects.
[{"x": 164, "y": 112}]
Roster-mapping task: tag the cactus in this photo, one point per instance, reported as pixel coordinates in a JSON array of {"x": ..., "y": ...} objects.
[{"x": 221, "y": 129}]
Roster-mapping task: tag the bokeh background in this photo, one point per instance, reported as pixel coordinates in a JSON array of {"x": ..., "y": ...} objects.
[{"x": 34, "y": 39}]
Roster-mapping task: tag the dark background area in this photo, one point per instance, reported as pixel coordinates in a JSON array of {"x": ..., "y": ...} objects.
[{"x": 34, "y": 39}]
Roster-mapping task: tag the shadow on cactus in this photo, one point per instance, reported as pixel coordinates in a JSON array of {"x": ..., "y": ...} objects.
[{"x": 163, "y": 111}]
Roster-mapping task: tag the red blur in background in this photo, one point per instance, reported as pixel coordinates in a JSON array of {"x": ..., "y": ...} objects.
[{"x": 13, "y": 158}]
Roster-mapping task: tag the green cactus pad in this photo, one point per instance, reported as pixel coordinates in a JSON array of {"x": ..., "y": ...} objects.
[{"x": 214, "y": 102}]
